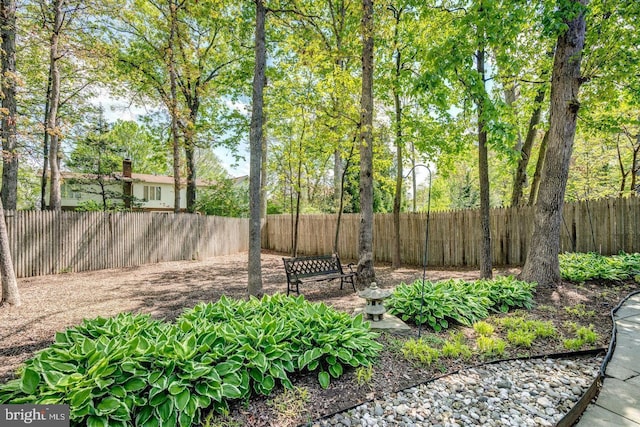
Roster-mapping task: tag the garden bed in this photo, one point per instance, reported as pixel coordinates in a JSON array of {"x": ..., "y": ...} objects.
[{"x": 54, "y": 303}]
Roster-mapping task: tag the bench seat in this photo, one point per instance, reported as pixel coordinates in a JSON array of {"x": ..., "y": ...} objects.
[{"x": 316, "y": 269}]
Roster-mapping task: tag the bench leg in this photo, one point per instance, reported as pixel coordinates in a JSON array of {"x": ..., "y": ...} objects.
[{"x": 290, "y": 288}]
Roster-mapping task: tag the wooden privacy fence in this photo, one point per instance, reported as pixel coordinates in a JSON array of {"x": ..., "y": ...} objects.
[
  {"x": 607, "y": 226},
  {"x": 46, "y": 242}
]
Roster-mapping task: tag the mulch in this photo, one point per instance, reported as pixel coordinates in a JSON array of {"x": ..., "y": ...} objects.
[{"x": 53, "y": 303}]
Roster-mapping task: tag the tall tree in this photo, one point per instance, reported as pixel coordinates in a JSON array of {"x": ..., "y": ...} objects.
[
  {"x": 397, "y": 101},
  {"x": 486, "y": 262},
  {"x": 366, "y": 273},
  {"x": 8, "y": 113},
  {"x": 10, "y": 293},
  {"x": 174, "y": 5},
  {"x": 51, "y": 121},
  {"x": 542, "y": 265},
  {"x": 255, "y": 160}
]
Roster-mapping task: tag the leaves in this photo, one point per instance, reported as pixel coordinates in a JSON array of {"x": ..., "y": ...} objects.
[
  {"x": 463, "y": 302},
  {"x": 158, "y": 373}
]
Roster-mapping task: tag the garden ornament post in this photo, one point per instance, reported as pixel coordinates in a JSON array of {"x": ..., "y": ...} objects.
[{"x": 426, "y": 246}]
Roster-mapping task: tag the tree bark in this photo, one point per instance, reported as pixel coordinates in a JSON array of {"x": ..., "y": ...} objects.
[
  {"x": 54, "y": 104},
  {"x": 525, "y": 153},
  {"x": 9, "y": 190},
  {"x": 263, "y": 171},
  {"x": 44, "y": 177},
  {"x": 414, "y": 184},
  {"x": 542, "y": 265},
  {"x": 175, "y": 139},
  {"x": 190, "y": 151},
  {"x": 10, "y": 293},
  {"x": 635, "y": 166},
  {"x": 486, "y": 263},
  {"x": 366, "y": 273},
  {"x": 396, "y": 260},
  {"x": 255, "y": 141},
  {"x": 535, "y": 183}
]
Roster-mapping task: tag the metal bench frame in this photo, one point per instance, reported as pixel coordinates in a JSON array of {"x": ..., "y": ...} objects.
[{"x": 315, "y": 269}]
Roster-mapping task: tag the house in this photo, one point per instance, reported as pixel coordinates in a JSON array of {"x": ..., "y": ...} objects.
[{"x": 148, "y": 192}]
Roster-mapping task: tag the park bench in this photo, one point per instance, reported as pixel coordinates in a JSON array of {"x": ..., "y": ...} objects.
[{"x": 316, "y": 269}]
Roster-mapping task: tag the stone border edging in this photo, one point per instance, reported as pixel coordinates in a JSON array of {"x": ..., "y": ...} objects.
[
  {"x": 593, "y": 391},
  {"x": 493, "y": 362},
  {"x": 572, "y": 416}
]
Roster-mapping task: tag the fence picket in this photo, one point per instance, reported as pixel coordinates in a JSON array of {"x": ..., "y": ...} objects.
[
  {"x": 46, "y": 242},
  {"x": 606, "y": 226}
]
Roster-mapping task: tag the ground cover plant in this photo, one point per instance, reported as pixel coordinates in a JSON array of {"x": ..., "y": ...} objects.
[
  {"x": 579, "y": 267},
  {"x": 438, "y": 303},
  {"x": 163, "y": 290},
  {"x": 133, "y": 370}
]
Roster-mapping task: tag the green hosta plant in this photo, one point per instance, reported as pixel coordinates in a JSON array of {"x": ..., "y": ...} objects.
[
  {"x": 277, "y": 335},
  {"x": 457, "y": 300},
  {"x": 132, "y": 370},
  {"x": 579, "y": 267}
]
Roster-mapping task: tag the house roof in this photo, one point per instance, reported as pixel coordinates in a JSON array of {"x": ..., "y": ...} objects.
[{"x": 139, "y": 177}]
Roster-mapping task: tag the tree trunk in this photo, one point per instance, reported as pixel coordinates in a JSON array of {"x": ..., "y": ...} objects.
[
  {"x": 635, "y": 166},
  {"x": 541, "y": 265},
  {"x": 343, "y": 176},
  {"x": 10, "y": 293},
  {"x": 521, "y": 172},
  {"x": 414, "y": 185},
  {"x": 45, "y": 148},
  {"x": 9, "y": 147},
  {"x": 366, "y": 273},
  {"x": 189, "y": 154},
  {"x": 486, "y": 263},
  {"x": 171, "y": 58},
  {"x": 263, "y": 171},
  {"x": 54, "y": 103},
  {"x": 535, "y": 183},
  {"x": 255, "y": 141},
  {"x": 396, "y": 260}
]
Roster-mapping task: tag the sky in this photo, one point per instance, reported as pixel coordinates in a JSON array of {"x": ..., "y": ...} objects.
[{"x": 120, "y": 109}]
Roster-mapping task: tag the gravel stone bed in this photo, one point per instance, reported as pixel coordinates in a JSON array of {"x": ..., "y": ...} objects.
[{"x": 534, "y": 392}]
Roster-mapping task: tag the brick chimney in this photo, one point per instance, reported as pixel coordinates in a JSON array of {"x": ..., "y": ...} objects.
[
  {"x": 127, "y": 184},
  {"x": 126, "y": 168}
]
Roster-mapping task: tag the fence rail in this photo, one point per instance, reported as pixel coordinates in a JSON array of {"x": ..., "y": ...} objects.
[
  {"x": 607, "y": 226},
  {"x": 46, "y": 242}
]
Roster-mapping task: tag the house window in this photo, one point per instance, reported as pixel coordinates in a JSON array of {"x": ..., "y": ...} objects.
[
  {"x": 69, "y": 192},
  {"x": 152, "y": 193}
]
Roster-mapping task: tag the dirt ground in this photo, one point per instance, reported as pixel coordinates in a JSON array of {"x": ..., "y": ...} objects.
[{"x": 53, "y": 303}]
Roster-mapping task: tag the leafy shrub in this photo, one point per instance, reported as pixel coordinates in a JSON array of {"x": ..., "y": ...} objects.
[
  {"x": 457, "y": 300},
  {"x": 522, "y": 332},
  {"x": 491, "y": 346},
  {"x": 588, "y": 335},
  {"x": 132, "y": 370},
  {"x": 506, "y": 292},
  {"x": 455, "y": 347},
  {"x": 420, "y": 352},
  {"x": 579, "y": 267},
  {"x": 521, "y": 338},
  {"x": 364, "y": 375},
  {"x": 579, "y": 310},
  {"x": 483, "y": 328},
  {"x": 584, "y": 335}
]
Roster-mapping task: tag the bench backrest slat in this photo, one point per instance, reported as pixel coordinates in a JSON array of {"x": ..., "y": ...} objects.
[{"x": 302, "y": 267}]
